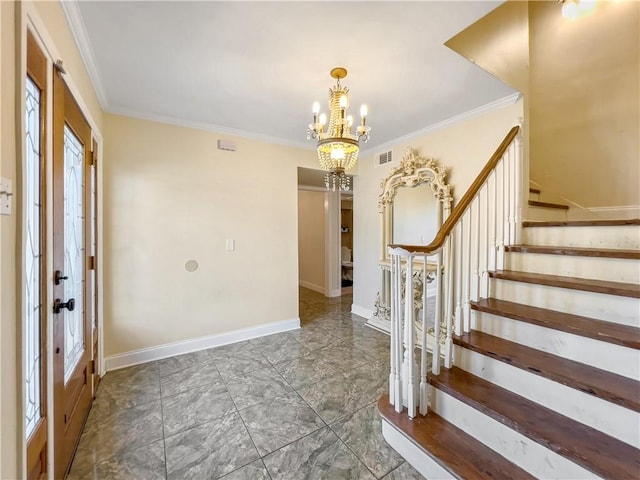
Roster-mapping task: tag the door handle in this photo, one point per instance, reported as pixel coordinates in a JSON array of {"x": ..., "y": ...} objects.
[
  {"x": 58, "y": 277},
  {"x": 58, "y": 305}
]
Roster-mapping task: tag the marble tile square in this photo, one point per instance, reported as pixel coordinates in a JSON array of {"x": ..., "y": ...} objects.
[
  {"x": 188, "y": 378},
  {"x": 125, "y": 430},
  {"x": 194, "y": 407},
  {"x": 404, "y": 472},
  {"x": 333, "y": 398},
  {"x": 254, "y": 387},
  {"x": 144, "y": 462},
  {"x": 278, "y": 421},
  {"x": 372, "y": 379},
  {"x": 342, "y": 356},
  {"x": 170, "y": 365},
  {"x": 313, "y": 338},
  {"x": 361, "y": 431},
  {"x": 278, "y": 348},
  {"x": 305, "y": 371},
  {"x": 210, "y": 450},
  {"x": 320, "y": 455},
  {"x": 241, "y": 362},
  {"x": 245, "y": 347},
  {"x": 122, "y": 389},
  {"x": 253, "y": 471}
]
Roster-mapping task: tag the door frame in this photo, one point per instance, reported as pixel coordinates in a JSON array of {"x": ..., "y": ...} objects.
[{"x": 28, "y": 18}]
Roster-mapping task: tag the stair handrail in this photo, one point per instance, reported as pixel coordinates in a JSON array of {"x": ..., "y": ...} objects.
[{"x": 461, "y": 207}]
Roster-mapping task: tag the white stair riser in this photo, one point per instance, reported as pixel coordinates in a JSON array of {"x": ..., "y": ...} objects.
[
  {"x": 614, "y": 420},
  {"x": 598, "y": 268},
  {"x": 541, "y": 214},
  {"x": 611, "y": 308},
  {"x": 416, "y": 457},
  {"x": 524, "y": 452},
  {"x": 624, "y": 236},
  {"x": 603, "y": 355},
  {"x": 534, "y": 196}
]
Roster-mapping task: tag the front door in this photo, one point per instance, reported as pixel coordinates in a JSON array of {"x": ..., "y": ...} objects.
[{"x": 72, "y": 329}]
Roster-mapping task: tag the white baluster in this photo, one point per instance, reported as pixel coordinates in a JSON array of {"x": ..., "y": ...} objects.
[
  {"x": 393, "y": 372},
  {"x": 475, "y": 250},
  {"x": 450, "y": 268},
  {"x": 466, "y": 270},
  {"x": 519, "y": 188},
  {"x": 513, "y": 191},
  {"x": 501, "y": 209},
  {"x": 506, "y": 165},
  {"x": 396, "y": 337},
  {"x": 409, "y": 379},
  {"x": 458, "y": 267},
  {"x": 423, "y": 351},
  {"x": 435, "y": 359},
  {"x": 488, "y": 244}
]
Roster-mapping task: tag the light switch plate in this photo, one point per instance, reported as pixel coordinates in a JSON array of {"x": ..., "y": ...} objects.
[
  {"x": 6, "y": 196},
  {"x": 231, "y": 245}
]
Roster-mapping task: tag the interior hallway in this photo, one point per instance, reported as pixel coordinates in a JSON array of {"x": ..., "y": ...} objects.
[{"x": 296, "y": 405}]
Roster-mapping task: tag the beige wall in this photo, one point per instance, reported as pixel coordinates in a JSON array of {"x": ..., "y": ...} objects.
[
  {"x": 463, "y": 148},
  {"x": 311, "y": 239},
  {"x": 9, "y": 411},
  {"x": 585, "y": 103},
  {"x": 170, "y": 196},
  {"x": 581, "y": 81}
]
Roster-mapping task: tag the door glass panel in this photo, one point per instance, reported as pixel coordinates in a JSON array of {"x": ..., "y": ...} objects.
[
  {"x": 33, "y": 260},
  {"x": 73, "y": 250}
]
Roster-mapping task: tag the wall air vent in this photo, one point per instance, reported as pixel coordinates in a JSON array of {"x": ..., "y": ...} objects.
[
  {"x": 383, "y": 158},
  {"x": 228, "y": 145}
]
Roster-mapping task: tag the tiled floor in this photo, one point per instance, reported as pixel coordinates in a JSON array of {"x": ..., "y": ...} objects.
[{"x": 296, "y": 405}]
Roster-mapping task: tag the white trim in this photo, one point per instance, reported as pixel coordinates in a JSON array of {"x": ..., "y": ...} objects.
[
  {"x": 144, "y": 355},
  {"x": 73, "y": 15},
  {"x": 614, "y": 208},
  {"x": 209, "y": 127},
  {"x": 417, "y": 458},
  {"x": 361, "y": 311},
  {"x": 334, "y": 293},
  {"x": 312, "y": 188},
  {"x": 476, "y": 112},
  {"x": 312, "y": 286}
]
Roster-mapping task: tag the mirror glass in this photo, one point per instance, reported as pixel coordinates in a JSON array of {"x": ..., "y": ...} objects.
[{"x": 415, "y": 215}]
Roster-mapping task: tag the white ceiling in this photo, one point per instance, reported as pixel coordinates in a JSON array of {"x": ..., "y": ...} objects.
[{"x": 255, "y": 68}]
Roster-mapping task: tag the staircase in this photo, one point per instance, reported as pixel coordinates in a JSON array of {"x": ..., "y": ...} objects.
[{"x": 544, "y": 380}]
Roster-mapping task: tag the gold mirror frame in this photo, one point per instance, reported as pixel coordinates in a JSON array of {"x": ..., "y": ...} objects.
[{"x": 413, "y": 170}]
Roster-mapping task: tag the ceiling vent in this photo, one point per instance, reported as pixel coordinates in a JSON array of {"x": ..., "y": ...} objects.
[{"x": 383, "y": 158}]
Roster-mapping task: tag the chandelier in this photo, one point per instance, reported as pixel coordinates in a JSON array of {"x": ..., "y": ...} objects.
[{"x": 337, "y": 146}]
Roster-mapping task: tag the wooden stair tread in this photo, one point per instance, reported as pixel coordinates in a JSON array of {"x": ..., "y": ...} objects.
[
  {"x": 593, "y": 381},
  {"x": 583, "y": 223},
  {"x": 593, "y": 450},
  {"x": 536, "y": 203},
  {"x": 576, "y": 251},
  {"x": 459, "y": 453},
  {"x": 609, "y": 332},
  {"x": 586, "y": 284},
  {"x": 534, "y": 190}
]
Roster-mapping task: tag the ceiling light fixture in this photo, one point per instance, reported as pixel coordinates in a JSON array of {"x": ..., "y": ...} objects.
[{"x": 337, "y": 146}]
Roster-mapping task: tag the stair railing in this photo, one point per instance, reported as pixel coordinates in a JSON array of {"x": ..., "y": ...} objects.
[{"x": 469, "y": 245}]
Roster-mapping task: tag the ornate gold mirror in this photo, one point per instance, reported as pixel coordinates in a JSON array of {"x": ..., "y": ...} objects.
[{"x": 415, "y": 201}]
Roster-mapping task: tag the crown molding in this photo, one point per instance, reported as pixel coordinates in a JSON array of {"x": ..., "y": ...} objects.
[
  {"x": 78, "y": 30},
  {"x": 208, "y": 127},
  {"x": 476, "y": 112}
]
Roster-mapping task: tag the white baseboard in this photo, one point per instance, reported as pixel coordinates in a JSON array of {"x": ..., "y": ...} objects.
[
  {"x": 361, "y": 311},
  {"x": 311, "y": 286},
  {"x": 144, "y": 355}
]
